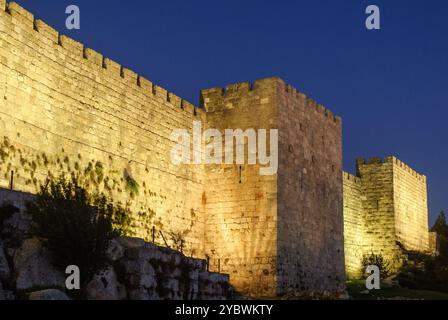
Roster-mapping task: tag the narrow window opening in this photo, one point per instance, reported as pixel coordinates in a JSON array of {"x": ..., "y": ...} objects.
[{"x": 239, "y": 173}]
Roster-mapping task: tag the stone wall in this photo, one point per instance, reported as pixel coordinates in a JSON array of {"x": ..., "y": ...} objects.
[
  {"x": 66, "y": 109},
  {"x": 284, "y": 230},
  {"x": 136, "y": 270},
  {"x": 310, "y": 213},
  {"x": 385, "y": 212},
  {"x": 241, "y": 204},
  {"x": 353, "y": 224},
  {"x": 379, "y": 210},
  {"x": 150, "y": 272},
  {"x": 411, "y": 207}
]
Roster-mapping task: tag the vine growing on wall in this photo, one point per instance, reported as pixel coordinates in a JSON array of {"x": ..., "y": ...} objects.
[
  {"x": 132, "y": 186},
  {"x": 27, "y": 170},
  {"x": 104, "y": 178}
]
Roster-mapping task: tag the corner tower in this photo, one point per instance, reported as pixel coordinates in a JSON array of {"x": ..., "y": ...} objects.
[
  {"x": 278, "y": 234},
  {"x": 385, "y": 212}
]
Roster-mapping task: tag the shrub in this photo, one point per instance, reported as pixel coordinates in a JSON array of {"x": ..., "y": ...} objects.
[
  {"x": 178, "y": 240},
  {"x": 424, "y": 272},
  {"x": 440, "y": 225},
  {"x": 379, "y": 261},
  {"x": 441, "y": 228},
  {"x": 77, "y": 226}
]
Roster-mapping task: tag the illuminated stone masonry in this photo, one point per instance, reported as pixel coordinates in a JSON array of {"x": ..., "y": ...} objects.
[
  {"x": 278, "y": 234},
  {"x": 67, "y": 110},
  {"x": 385, "y": 211}
]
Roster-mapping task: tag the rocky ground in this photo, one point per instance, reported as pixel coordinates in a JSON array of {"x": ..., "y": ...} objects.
[{"x": 136, "y": 270}]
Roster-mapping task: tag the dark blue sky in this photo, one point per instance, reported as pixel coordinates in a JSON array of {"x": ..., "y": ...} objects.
[{"x": 390, "y": 86}]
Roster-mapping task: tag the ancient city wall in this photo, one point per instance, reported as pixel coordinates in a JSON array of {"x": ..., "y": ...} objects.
[
  {"x": 136, "y": 270},
  {"x": 353, "y": 224},
  {"x": 277, "y": 234},
  {"x": 67, "y": 109},
  {"x": 241, "y": 204},
  {"x": 411, "y": 207},
  {"x": 379, "y": 211},
  {"x": 310, "y": 212},
  {"x": 385, "y": 211}
]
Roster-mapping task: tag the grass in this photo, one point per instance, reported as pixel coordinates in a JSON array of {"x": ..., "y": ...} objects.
[{"x": 356, "y": 287}]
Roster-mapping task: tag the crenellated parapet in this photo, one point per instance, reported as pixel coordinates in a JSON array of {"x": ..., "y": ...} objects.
[
  {"x": 385, "y": 204},
  {"x": 295, "y": 96},
  {"x": 350, "y": 177},
  {"x": 84, "y": 55},
  {"x": 391, "y": 160},
  {"x": 66, "y": 109},
  {"x": 222, "y": 98}
]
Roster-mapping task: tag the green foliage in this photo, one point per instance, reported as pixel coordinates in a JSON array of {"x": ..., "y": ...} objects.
[
  {"x": 357, "y": 291},
  {"x": 178, "y": 240},
  {"x": 122, "y": 218},
  {"x": 77, "y": 225},
  {"x": 379, "y": 261},
  {"x": 441, "y": 226},
  {"x": 99, "y": 170},
  {"x": 131, "y": 186},
  {"x": 424, "y": 272}
]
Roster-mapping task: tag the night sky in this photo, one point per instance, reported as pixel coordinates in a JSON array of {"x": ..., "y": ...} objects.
[{"x": 389, "y": 86}]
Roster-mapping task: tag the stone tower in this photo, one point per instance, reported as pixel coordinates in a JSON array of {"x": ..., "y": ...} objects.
[
  {"x": 283, "y": 233},
  {"x": 66, "y": 109},
  {"x": 385, "y": 211}
]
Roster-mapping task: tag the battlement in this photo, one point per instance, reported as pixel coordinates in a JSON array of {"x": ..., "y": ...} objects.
[
  {"x": 219, "y": 98},
  {"x": 293, "y": 93},
  {"x": 374, "y": 161},
  {"x": 241, "y": 88},
  {"x": 216, "y": 96},
  {"x": 79, "y": 53},
  {"x": 408, "y": 169},
  {"x": 390, "y": 160},
  {"x": 350, "y": 177},
  {"x": 66, "y": 101},
  {"x": 387, "y": 207},
  {"x": 63, "y": 100}
]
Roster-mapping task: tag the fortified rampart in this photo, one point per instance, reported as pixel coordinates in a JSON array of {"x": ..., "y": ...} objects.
[
  {"x": 66, "y": 109},
  {"x": 385, "y": 211},
  {"x": 240, "y": 204},
  {"x": 282, "y": 233}
]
